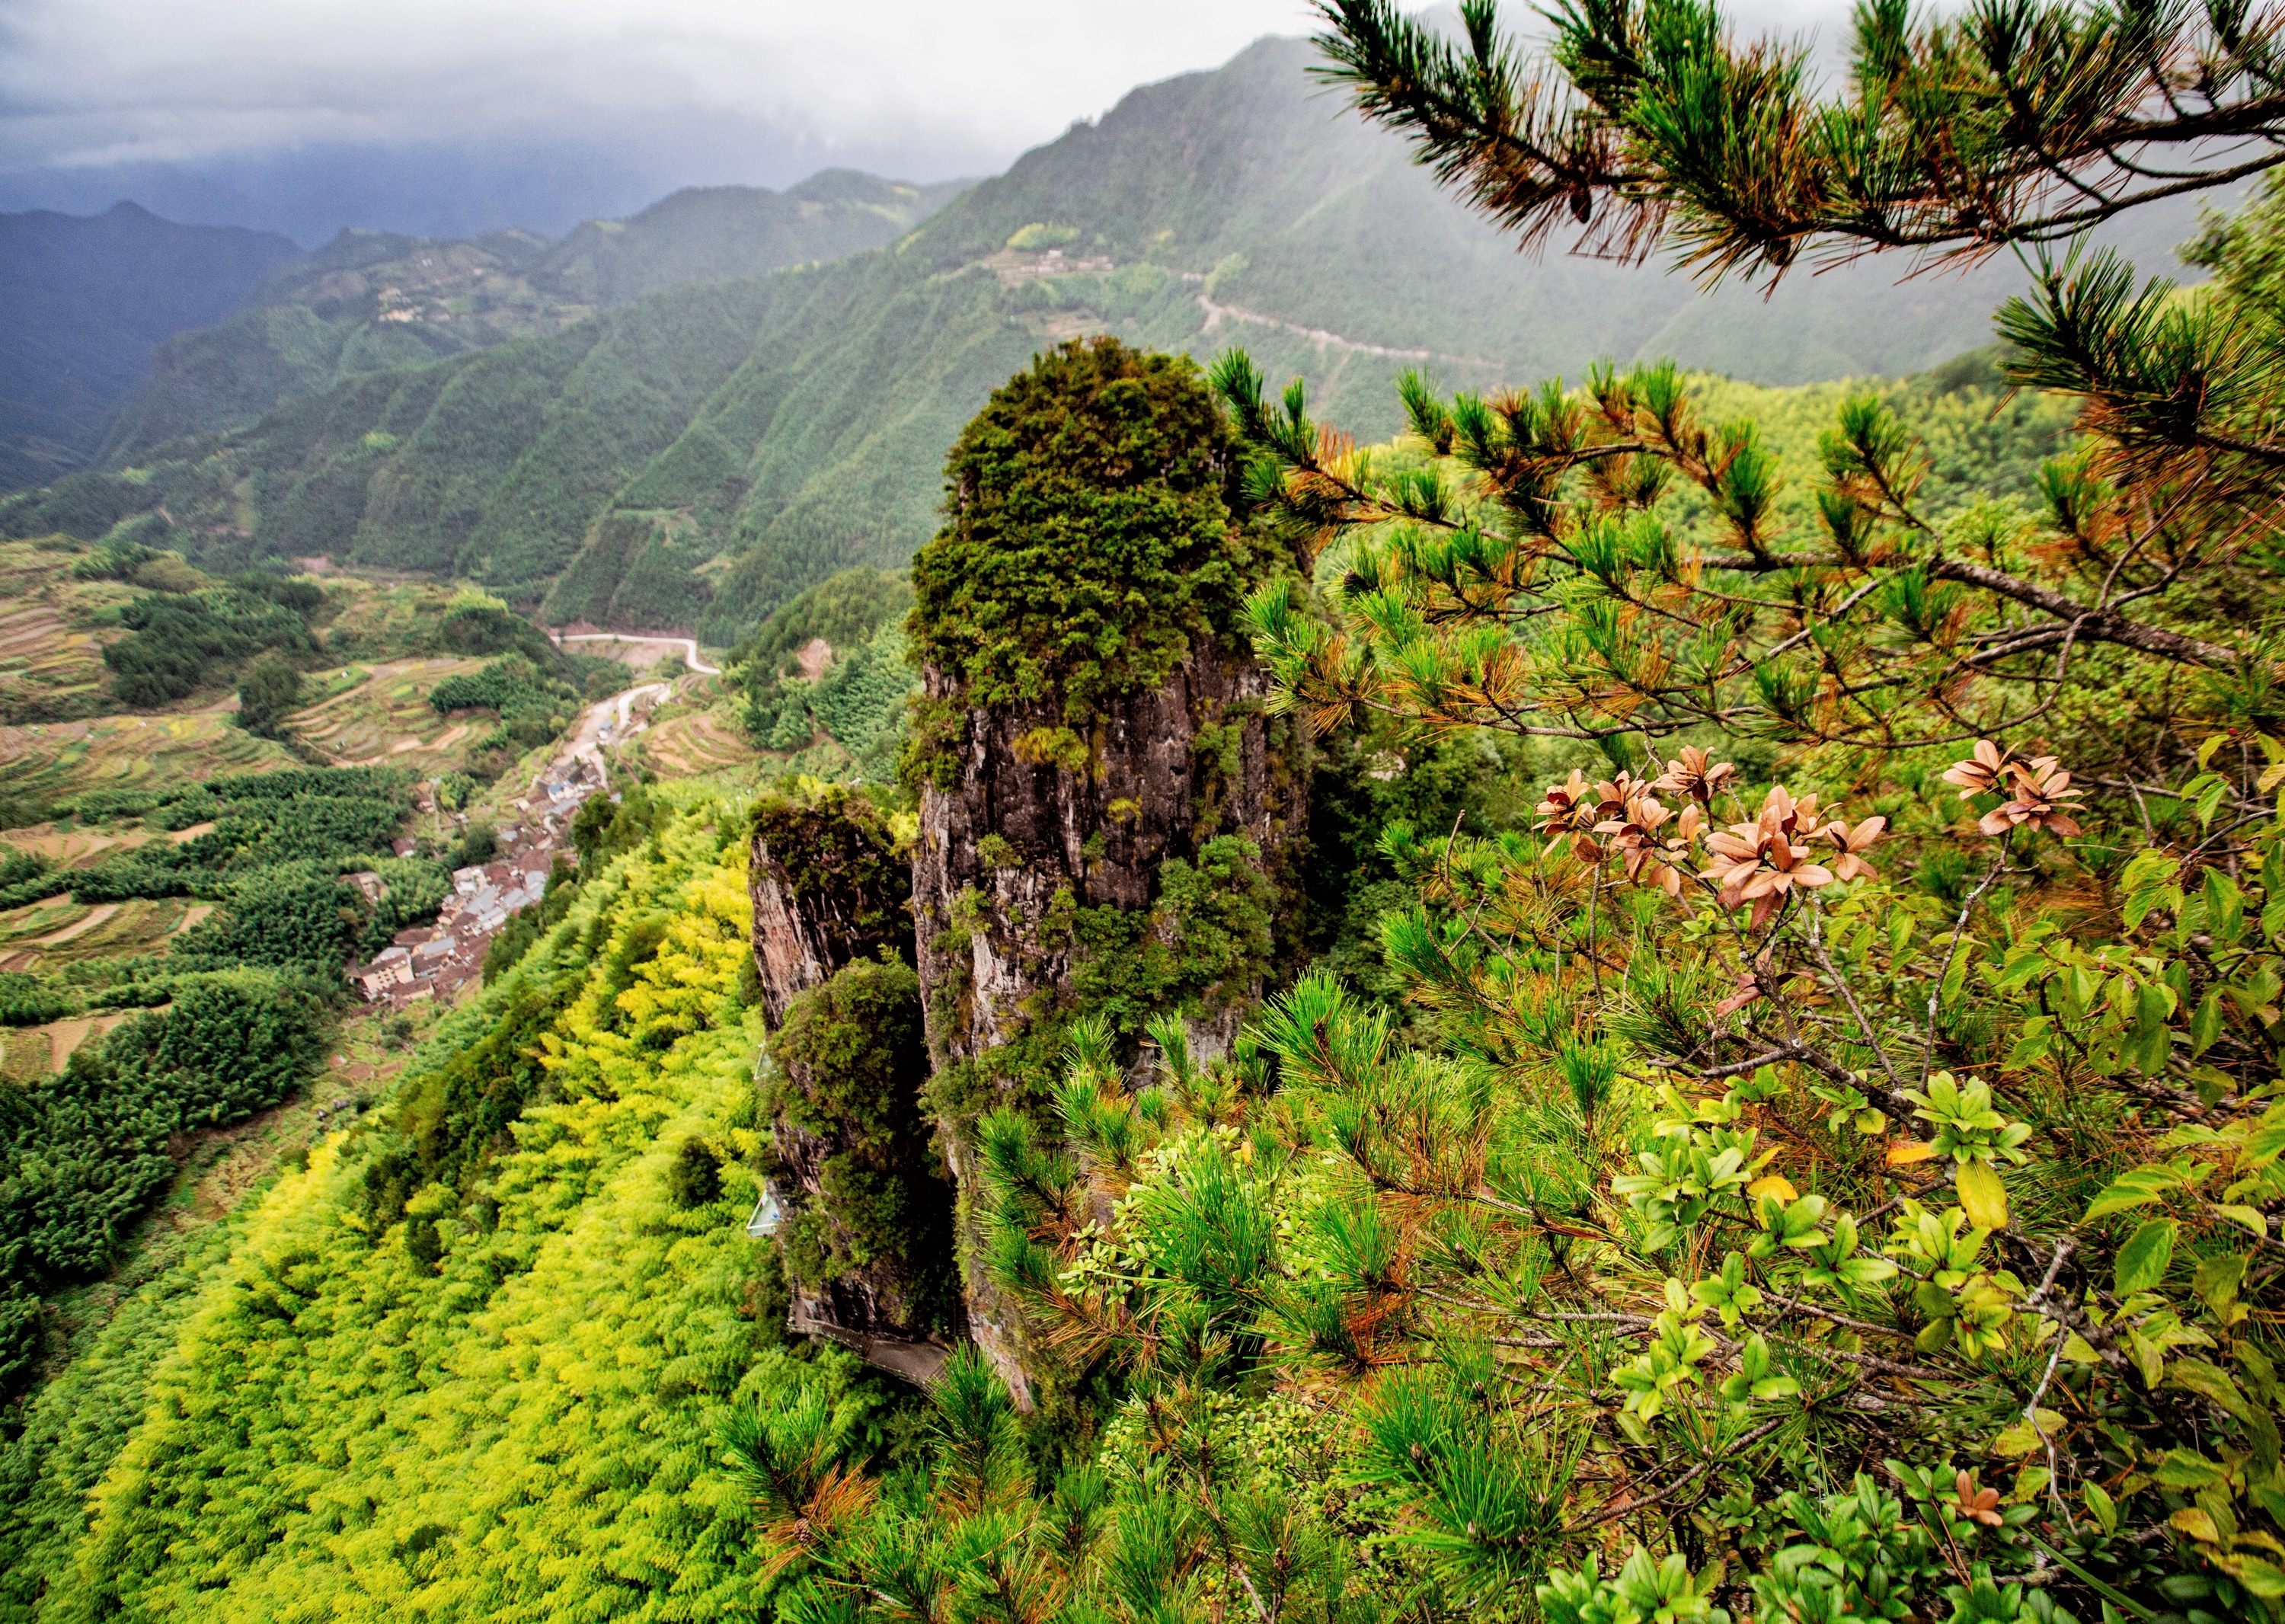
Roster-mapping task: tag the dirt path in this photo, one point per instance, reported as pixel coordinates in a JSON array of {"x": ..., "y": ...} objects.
[
  {"x": 1216, "y": 314},
  {"x": 585, "y": 744}
]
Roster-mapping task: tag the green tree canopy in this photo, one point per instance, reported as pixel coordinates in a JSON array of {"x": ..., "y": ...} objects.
[
  {"x": 267, "y": 691},
  {"x": 1087, "y": 533}
]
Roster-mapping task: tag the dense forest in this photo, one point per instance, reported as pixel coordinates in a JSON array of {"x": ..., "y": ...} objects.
[{"x": 1644, "y": 1001}]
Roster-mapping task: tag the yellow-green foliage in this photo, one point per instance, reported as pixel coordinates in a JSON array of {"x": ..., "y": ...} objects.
[{"x": 503, "y": 1405}]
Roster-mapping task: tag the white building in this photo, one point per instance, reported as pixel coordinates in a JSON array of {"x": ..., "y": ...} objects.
[{"x": 391, "y": 967}]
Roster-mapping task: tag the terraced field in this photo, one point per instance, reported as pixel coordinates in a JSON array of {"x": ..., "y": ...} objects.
[
  {"x": 58, "y": 931},
  {"x": 46, "y": 669},
  {"x": 26, "y": 1052},
  {"x": 696, "y": 742},
  {"x": 384, "y": 719},
  {"x": 373, "y": 619},
  {"x": 51, "y": 658},
  {"x": 132, "y": 752}
]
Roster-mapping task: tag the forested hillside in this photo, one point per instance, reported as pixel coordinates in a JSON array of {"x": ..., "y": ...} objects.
[
  {"x": 485, "y": 1338},
  {"x": 371, "y": 301},
  {"x": 1346, "y": 999},
  {"x": 699, "y": 457}
]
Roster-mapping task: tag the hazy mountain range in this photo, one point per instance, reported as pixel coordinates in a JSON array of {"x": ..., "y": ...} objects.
[
  {"x": 90, "y": 300},
  {"x": 370, "y": 301},
  {"x": 87, "y": 302},
  {"x": 696, "y": 454}
]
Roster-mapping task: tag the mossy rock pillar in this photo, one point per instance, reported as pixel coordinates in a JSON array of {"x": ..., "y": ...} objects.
[
  {"x": 867, "y": 1243},
  {"x": 1105, "y": 797}
]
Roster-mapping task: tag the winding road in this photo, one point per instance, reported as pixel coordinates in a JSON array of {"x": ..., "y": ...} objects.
[
  {"x": 688, "y": 645},
  {"x": 616, "y": 712}
]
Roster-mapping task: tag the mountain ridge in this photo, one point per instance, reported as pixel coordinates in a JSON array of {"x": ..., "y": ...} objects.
[
  {"x": 695, "y": 457},
  {"x": 87, "y": 297}
]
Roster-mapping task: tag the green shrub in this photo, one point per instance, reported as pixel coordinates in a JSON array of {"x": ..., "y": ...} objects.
[
  {"x": 532, "y": 707},
  {"x": 525, "y": 926},
  {"x": 1088, "y": 534},
  {"x": 25, "y": 877},
  {"x": 26, "y": 1000},
  {"x": 179, "y": 643},
  {"x": 603, "y": 827},
  {"x": 319, "y": 816},
  {"x": 268, "y": 690},
  {"x": 854, "y": 1059},
  {"x": 300, "y": 914},
  {"x": 837, "y": 856}
]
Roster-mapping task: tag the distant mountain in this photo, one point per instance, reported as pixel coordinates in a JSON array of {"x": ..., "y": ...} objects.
[
  {"x": 697, "y": 456},
  {"x": 709, "y": 233},
  {"x": 87, "y": 298},
  {"x": 371, "y": 301}
]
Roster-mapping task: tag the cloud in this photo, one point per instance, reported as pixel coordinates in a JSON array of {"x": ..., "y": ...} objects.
[{"x": 95, "y": 82}]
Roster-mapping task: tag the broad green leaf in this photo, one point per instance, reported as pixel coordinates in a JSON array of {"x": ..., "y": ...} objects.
[
  {"x": 2205, "y": 1025},
  {"x": 2142, "y": 1261},
  {"x": 2149, "y": 867},
  {"x": 2206, "y": 792},
  {"x": 1955, "y": 975},
  {"x": 2208, "y": 1381},
  {"x": 2197, "y": 1524},
  {"x": 2263, "y": 1579},
  {"x": 2140, "y": 1186},
  {"x": 2183, "y": 1470},
  {"x": 2218, "y": 1278},
  {"x": 2225, "y": 906},
  {"x": 1982, "y": 1195},
  {"x": 2251, "y": 1217},
  {"x": 2140, "y": 904},
  {"x": 2023, "y": 1438}
]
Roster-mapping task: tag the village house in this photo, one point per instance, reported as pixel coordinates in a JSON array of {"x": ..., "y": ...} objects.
[
  {"x": 429, "y": 961},
  {"x": 391, "y": 967}
]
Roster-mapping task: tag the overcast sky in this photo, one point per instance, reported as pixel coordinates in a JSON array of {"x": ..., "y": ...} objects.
[
  {"x": 102, "y": 80},
  {"x": 642, "y": 95}
]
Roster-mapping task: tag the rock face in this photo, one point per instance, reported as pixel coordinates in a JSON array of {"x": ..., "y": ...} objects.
[
  {"x": 1168, "y": 772},
  {"x": 829, "y": 887},
  {"x": 1016, "y": 847},
  {"x": 867, "y": 1242}
]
